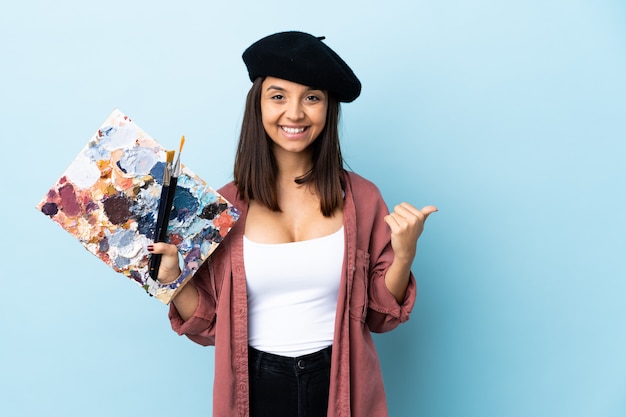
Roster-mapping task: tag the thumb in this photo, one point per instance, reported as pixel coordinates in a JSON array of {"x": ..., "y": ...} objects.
[
  {"x": 428, "y": 210},
  {"x": 162, "y": 248}
]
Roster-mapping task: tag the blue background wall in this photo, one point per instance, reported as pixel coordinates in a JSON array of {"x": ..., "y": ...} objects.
[{"x": 508, "y": 115}]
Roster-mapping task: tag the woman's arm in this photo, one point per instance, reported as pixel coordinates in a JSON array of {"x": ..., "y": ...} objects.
[{"x": 185, "y": 300}]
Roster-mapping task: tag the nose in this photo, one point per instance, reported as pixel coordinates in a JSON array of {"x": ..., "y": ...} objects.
[{"x": 295, "y": 110}]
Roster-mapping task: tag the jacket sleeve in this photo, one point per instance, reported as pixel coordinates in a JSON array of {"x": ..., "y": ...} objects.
[
  {"x": 201, "y": 326},
  {"x": 384, "y": 311}
]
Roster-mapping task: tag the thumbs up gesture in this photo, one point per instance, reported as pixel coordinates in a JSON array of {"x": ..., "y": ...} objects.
[{"x": 407, "y": 223}]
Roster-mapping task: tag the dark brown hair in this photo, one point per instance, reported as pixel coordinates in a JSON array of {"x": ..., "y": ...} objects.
[{"x": 255, "y": 169}]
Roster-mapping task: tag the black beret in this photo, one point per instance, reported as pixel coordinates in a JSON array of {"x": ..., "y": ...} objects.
[{"x": 304, "y": 59}]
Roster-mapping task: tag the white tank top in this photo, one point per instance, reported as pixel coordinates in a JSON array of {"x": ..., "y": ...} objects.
[{"x": 292, "y": 293}]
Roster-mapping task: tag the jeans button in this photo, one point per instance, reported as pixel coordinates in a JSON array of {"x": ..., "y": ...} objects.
[{"x": 301, "y": 364}]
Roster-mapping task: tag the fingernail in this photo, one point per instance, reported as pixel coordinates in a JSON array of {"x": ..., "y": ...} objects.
[{"x": 150, "y": 248}]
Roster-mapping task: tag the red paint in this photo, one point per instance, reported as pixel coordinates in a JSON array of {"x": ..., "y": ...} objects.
[{"x": 224, "y": 221}]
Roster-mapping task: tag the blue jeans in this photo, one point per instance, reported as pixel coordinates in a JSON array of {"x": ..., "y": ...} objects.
[{"x": 289, "y": 387}]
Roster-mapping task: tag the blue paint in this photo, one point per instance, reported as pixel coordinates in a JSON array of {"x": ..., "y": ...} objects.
[
  {"x": 185, "y": 205},
  {"x": 157, "y": 172}
]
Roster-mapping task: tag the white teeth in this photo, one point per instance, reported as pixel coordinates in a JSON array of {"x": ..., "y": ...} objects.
[{"x": 293, "y": 130}]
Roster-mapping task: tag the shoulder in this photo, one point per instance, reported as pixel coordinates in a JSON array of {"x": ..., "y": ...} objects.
[
  {"x": 361, "y": 187},
  {"x": 229, "y": 192}
]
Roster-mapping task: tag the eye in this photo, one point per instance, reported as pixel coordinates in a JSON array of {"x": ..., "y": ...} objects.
[
  {"x": 313, "y": 97},
  {"x": 277, "y": 97}
]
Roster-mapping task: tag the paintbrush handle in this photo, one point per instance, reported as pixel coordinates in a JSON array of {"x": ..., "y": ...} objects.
[
  {"x": 165, "y": 208},
  {"x": 160, "y": 232},
  {"x": 170, "y": 202},
  {"x": 155, "y": 264}
]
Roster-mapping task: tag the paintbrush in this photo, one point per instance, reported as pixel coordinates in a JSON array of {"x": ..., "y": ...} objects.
[
  {"x": 163, "y": 216},
  {"x": 176, "y": 171}
]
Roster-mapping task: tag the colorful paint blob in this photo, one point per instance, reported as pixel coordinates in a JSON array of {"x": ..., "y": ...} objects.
[{"x": 108, "y": 198}]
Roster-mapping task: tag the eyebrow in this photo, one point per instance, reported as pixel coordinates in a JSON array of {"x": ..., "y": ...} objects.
[{"x": 275, "y": 87}]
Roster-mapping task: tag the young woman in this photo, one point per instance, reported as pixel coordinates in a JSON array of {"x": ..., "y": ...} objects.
[{"x": 314, "y": 264}]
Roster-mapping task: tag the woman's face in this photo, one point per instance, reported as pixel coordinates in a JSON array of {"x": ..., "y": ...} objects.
[{"x": 293, "y": 114}]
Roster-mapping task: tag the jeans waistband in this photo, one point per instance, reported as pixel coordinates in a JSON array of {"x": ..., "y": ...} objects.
[{"x": 290, "y": 365}]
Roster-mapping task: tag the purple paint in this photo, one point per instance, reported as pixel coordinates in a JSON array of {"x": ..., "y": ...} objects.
[
  {"x": 91, "y": 206},
  {"x": 50, "y": 209},
  {"x": 103, "y": 246},
  {"x": 117, "y": 208},
  {"x": 69, "y": 205}
]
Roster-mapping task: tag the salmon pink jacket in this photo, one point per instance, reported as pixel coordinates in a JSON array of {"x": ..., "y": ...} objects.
[{"x": 364, "y": 305}]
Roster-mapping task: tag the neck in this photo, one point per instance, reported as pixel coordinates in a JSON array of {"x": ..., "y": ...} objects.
[{"x": 292, "y": 165}]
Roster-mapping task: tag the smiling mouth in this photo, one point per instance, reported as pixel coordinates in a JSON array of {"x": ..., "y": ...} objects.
[{"x": 293, "y": 130}]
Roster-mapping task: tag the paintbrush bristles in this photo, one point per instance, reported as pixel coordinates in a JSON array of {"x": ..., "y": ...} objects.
[
  {"x": 177, "y": 169},
  {"x": 170, "y": 157}
]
